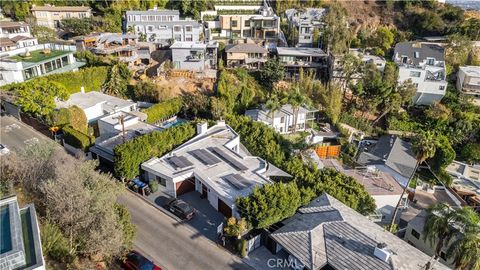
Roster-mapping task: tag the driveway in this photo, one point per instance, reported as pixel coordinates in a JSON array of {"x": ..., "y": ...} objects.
[
  {"x": 172, "y": 244},
  {"x": 206, "y": 219}
]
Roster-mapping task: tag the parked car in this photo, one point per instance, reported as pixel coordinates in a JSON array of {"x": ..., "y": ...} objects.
[
  {"x": 3, "y": 150},
  {"x": 135, "y": 261},
  {"x": 180, "y": 208}
]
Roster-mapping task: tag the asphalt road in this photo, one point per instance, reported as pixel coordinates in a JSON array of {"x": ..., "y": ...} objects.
[
  {"x": 172, "y": 245},
  {"x": 15, "y": 135}
]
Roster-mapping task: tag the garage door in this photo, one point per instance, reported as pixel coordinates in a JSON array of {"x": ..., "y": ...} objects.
[
  {"x": 224, "y": 208},
  {"x": 185, "y": 186}
]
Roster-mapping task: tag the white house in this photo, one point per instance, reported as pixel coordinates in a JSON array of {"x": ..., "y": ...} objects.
[
  {"x": 283, "y": 120},
  {"x": 14, "y": 35},
  {"x": 213, "y": 164},
  {"x": 195, "y": 56},
  {"x": 25, "y": 63},
  {"x": 305, "y": 21},
  {"x": 97, "y": 105},
  {"x": 424, "y": 65},
  {"x": 20, "y": 241},
  {"x": 468, "y": 82}
]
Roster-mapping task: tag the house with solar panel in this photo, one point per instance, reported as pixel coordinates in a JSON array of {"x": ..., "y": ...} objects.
[{"x": 213, "y": 163}]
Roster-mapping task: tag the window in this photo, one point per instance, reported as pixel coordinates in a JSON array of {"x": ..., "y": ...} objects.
[
  {"x": 430, "y": 61},
  {"x": 67, "y": 15},
  {"x": 162, "y": 27},
  {"x": 416, "y": 54},
  {"x": 441, "y": 87},
  {"x": 234, "y": 23},
  {"x": 415, "y": 74},
  {"x": 247, "y": 23},
  {"x": 1, "y": 77},
  {"x": 443, "y": 255},
  {"x": 188, "y": 38},
  {"x": 188, "y": 28},
  {"x": 282, "y": 120},
  {"x": 150, "y": 28},
  {"x": 415, "y": 234},
  {"x": 177, "y": 28},
  {"x": 415, "y": 84}
]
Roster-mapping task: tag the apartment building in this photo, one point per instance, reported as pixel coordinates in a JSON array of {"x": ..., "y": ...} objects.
[
  {"x": 308, "y": 59},
  {"x": 39, "y": 60},
  {"x": 261, "y": 25},
  {"x": 248, "y": 55},
  {"x": 14, "y": 35},
  {"x": 305, "y": 21},
  {"x": 162, "y": 27},
  {"x": 468, "y": 82},
  {"x": 424, "y": 65},
  {"x": 51, "y": 16},
  {"x": 194, "y": 56},
  {"x": 283, "y": 120}
]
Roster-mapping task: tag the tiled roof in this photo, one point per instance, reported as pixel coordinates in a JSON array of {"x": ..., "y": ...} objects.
[
  {"x": 245, "y": 48},
  {"x": 423, "y": 50},
  {"x": 328, "y": 232},
  {"x": 64, "y": 8}
]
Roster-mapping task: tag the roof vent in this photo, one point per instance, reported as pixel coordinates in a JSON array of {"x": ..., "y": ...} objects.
[
  {"x": 202, "y": 128},
  {"x": 382, "y": 252},
  {"x": 417, "y": 54}
]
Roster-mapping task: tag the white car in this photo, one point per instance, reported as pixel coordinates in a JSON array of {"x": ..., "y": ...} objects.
[{"x": 3, "y": 150}]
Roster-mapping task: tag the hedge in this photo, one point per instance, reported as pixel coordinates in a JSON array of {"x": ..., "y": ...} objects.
[
  {"x": 77, "y": 139},
  {"x": 91, "y": 78},
  {"x": 163, "y": 110},
  {"x": 131, "y": 154}
]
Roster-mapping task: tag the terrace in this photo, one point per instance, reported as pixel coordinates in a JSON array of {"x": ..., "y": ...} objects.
[{"x": 38, "y": 56}]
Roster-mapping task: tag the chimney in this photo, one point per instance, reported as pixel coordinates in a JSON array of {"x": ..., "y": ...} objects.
[
  {"x": 382, "y": 252},
  {"x": 82, "y": 90},
  {"x": 202, "y": 128},
  {"x": 221, "y": 123}
]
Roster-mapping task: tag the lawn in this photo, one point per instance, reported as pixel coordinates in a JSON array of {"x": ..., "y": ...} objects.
[{"x": 38, "y": 56}]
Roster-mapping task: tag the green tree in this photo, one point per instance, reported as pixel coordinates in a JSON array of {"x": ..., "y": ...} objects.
[
  {"x": 470, "y": 152},
  {"x": 37, "y": 97},
  {"x": 218, "y": 108},
  {"x": 351, "y": 65},
  {"x": 331, "y": 100},
  {"x": 466, "y": 250},
  {"x": 117, "y": 80},
  {"x": 44, "y": 34},
  {"x": 273, "y": 105},
  {"x": 296, "y": 99},
  {"x": 77, "y": 26},
  {"x": 383, "y": 38},
  {"x": 146, "y": 91},
  {"x": 270, "y": 204},
  {"x": 438, "y": 112},
  {"x": 272, "y": 72},
  {"x": 444, "y": 154},
  {"x": 336, "y": 34}
]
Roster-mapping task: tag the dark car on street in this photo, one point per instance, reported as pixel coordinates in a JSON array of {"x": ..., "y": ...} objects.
[
  {"x": 180, "y": 208},
  {"x": 135, "y": 261}
]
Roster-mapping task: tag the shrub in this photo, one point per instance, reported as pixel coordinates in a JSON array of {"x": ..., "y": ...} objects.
[
  {"x": 153, "y": 185},
  {"x": 130, "y": 155},
  {"x": 77, "y": 139},
  {"x": 358, "y": 123},
  {"x": 163, "y": 110},
  {"x": 242, "y": 247},
  {"x": 129, "y": 230},
  {"x": 55, "y": 244}
]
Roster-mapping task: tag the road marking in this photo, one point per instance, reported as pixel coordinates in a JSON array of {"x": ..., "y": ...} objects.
[
  {"x": 31, "y": 141},
  {"x": 11, "y": 127}
]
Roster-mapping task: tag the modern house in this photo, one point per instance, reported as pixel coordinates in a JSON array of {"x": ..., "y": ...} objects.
[
  {"x": 124, "y": 46},
  {"x": 194, "y": 56},
  {"x": 383, "y": 188},
  {"x": 14, "y": 35},
  {"x": 368, "y": 58},
  {"x": 283, "y": 120},
  {"x": 307, "y": 59},
  {"x": 466, "y": 182},
  {"x": 248, "y": 55},
  {"x": 117, "y": 128},
  {"x": 97, "y": 105},
  {"x": 39, "y": 60},
  {"x": 326, "y": 234},
  {"x": 51, "y": 16},
  {"x": 20, "y": 242},
  {"x": 424, "y": 65},
  {"x": 391, "y": 155},
  {"x": 305, "y": 21},
  {"x": 468, "y": 82},
  {"x": 412, "y": 220},
  {"x": 214, "y": 164},
  {"x": 241, "y": 22},
  {"x": 162, "y": 27}
]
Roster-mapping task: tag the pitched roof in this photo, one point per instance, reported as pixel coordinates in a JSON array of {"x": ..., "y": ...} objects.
[
  {"x": 392, "y": 151},
  {"x": 12, "y": 24},
  {"x": 19, "y": 38},
  {"x": 423, "y": 50},
  {"x": 328, "y": 232},
  {"x": 153, "y": 12},
  {"x": 4, "y": 42},
  {"x": 246, "y": 48},
  {"x": 62, "y": 8}
]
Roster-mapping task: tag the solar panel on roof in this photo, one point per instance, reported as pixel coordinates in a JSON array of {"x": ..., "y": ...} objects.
[
  {"x": 228, "y": 158},
  {"x": 180, "y": 162},
  {"x": 205, "y": 157},
  {"x": 238, "y": 181}
]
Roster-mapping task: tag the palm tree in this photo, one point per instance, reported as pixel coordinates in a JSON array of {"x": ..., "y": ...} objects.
[
  {"x": 466, "y": 249},
  {"x": 424, "y": 147},
  {"x": 296, "y": 99},
  {"x": 273, "y": 105}
]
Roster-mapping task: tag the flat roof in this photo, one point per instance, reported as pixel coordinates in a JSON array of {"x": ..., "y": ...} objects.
[
  {"x": 245, "y": 48},
  {"x": 291, "y": 51},
  {"x": 217, "y": 172},
  {"x": 471, "y": 70},
  {"x": 375, "y": 181},
  {"x": 153, "y": 12},
  {"x": 90, "y": 99},
  {"x": 188, "y": 45},
  {"x": 61, "y": 8},
  {"x": 12, "y": 24},
  {"x": 38, "y": 56}
]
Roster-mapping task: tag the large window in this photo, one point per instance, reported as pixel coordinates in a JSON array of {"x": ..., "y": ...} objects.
[
  {"x": 430, "y": 61},
  {"x": 188, "y": 28},
  {"x": 177, "y": 28},
  {"x": 415, "y": 234},
  {"x": 415, "y": 74},
  {"x": 30, "y": 73},
  {"x": 234, "y": 23}
]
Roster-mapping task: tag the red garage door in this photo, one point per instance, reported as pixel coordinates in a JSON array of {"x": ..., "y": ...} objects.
[
  {"x": 224, "y": 208},
  {"x": 185, "y": 186}
]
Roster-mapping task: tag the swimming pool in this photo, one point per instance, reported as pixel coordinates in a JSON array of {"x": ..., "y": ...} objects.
[
  {"x": 174, "y": 123},
  {"x": 5, "y": 240}
]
